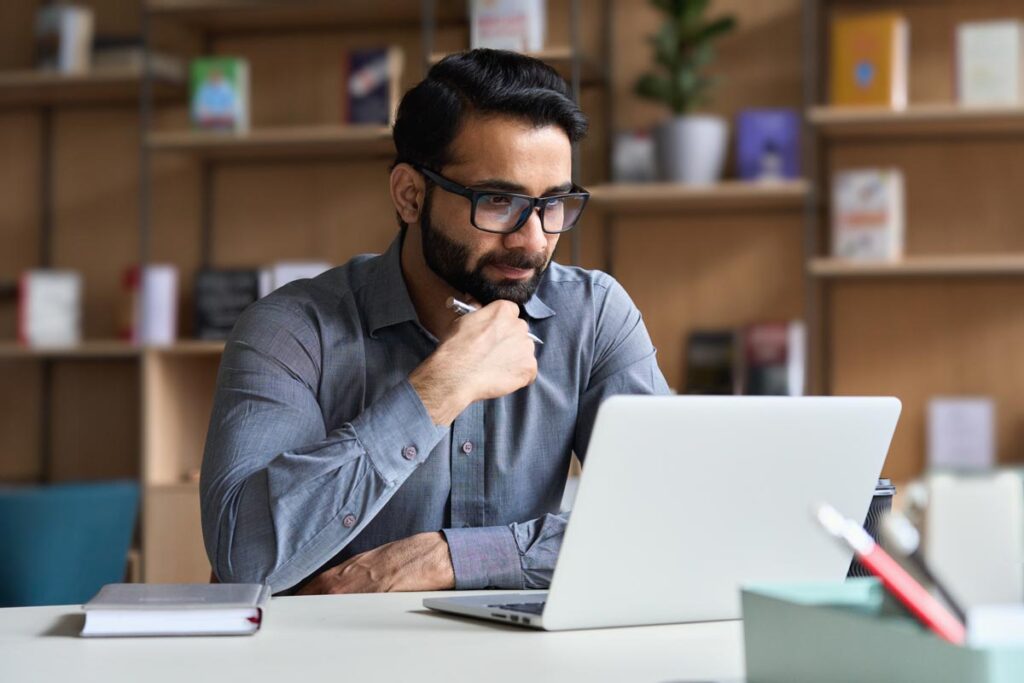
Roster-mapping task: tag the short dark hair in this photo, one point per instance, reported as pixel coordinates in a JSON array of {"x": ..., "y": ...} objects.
[{"x": 485, "y": 82}]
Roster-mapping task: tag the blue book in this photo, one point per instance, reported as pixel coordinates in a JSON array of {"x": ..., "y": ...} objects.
[
  {"x": 372, "y": 85},
  {"x": 768, "y": 144}
]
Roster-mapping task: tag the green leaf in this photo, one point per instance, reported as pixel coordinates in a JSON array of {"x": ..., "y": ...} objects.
[
  {"x": 657, "y": 88},
  {"x": 712, "y": 30}
]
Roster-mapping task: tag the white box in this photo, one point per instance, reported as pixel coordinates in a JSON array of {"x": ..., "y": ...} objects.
[
  {"x": 518, "y": 25},
  {"x": 962, "y": 433},
  {"x": 50, "y": 308}
]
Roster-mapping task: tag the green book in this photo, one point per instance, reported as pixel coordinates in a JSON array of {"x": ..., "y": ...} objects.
[{"x": 219, "y": 93}]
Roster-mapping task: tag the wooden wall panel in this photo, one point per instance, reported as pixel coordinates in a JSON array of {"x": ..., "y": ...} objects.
[
  {"x": 172, "y": 535},
  {"x": 95, "y": 420},
  {"x": 20, "y": 429},
  {"x": 96, "y": 212},
  {"x": 924, "y": 338},
  {"x": 708, "y": 270},
  {"x": 962, "y": 196},
  {"x": 20, "y": 215}
]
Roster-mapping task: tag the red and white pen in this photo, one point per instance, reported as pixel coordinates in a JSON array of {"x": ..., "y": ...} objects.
[{"x": 894, "y": 578}]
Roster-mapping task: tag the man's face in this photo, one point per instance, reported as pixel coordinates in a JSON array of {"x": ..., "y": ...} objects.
[{"x": 502, "y": 154}]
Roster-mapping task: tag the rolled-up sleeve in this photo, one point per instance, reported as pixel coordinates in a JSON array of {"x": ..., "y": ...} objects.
[{"x": 279, "y": 494}]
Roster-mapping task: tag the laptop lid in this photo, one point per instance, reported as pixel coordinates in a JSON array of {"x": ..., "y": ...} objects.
[{"x": 686, "y": 498}]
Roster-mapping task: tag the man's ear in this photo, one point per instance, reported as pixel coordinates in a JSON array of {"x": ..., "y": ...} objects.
[{"x": 408, "y": 190}]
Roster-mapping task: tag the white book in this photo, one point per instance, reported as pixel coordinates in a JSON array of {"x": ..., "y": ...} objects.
[
  {"x": 50, "y": 308},
  {"x": 138, "y": 609},
  {"x": 68, "y": 28},
  {"x": 158, "y": 305},
  {"x": 281, "y": 273},
  {"x": 868, "y": 214},
  {"x": 990, "y": 62},
  {"x": 962, "y": 433},
  {"x": 518, "y": 25}
]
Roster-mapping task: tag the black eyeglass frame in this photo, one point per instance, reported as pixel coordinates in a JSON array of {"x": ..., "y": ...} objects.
[{"x": 474, "y": 195}]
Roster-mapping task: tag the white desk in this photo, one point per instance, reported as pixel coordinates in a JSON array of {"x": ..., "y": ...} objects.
[{"x": 360, "y": 638}]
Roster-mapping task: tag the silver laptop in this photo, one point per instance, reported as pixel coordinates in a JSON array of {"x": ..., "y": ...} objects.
[{"x": 686, "y": 498}]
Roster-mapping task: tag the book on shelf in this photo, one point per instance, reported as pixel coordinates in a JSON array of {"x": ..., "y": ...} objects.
[
  {"x": 281, "y": 273},
  {"x": 868, "y": 214},
  {"x": 990, "y": 62},
  {"x": 711, "y": 362},
  {"x": 372, "y": 84},
  {"x": 518, "y": 25},
  {"x": 961, "y": 433},
  {"x": 869, "y": 59},
  {"x": 219, "y": 93},
  {"x": 151, "y": 313},
  {"x": 768, "y": 144},
  {"x": 221, "y": 295},
  {"x": 134, "y": 609},
  {"x": 50, "y": 308},
  {"x": 64, "y": 34},
  {"x": 773, "y": 358},
  {"x": 129, "y": 53}
]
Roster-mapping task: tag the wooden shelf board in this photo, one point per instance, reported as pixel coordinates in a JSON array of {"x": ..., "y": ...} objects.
[
  {"x": 177, "y": 487},
  {"x": 286, "y": 141},
  {"x": 271, "y": 15},
  {"x": 727, "y": 195},
  {"x": 190, "y": 347},
  {"x": 922, "y": 266},
  {"x": 38, "y": 87},
  {"x": 923, "y": 119},
  {"x": 100, "y": 349},
  {"x": 560, "y": 58}
]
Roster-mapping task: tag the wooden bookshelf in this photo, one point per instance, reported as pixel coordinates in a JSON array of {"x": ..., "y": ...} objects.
[
  {"x": 285, "y": 141},
  {"x": 272, "y": 15},
  {"x": 87, "y": 350},
  {"x": 191, "y": 347},
  {"x": 560, "y": 58},
  {"x": 922, "y": 266},
  {"x": 30, "y": 87},
  {"x": 917, "y": 120},
  {"x": 727, "y": 195}
]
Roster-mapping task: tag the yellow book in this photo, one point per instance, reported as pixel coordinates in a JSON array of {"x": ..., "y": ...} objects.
[{"x": 869, "y": 60}]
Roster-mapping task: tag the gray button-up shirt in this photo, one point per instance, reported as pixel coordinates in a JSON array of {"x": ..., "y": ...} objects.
[{"x": 320, "y": 449}]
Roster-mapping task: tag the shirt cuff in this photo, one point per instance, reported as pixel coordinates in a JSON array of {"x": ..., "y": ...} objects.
[
  {"x": 485, "y": 557},
  {"x": 397, "y": 432}
]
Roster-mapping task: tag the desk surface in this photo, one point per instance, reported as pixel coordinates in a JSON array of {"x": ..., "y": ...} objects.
[{"x": 367, "y": 638}]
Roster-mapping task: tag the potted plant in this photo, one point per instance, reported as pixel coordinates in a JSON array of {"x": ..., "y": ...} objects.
[{"x": 690, "y": 147}]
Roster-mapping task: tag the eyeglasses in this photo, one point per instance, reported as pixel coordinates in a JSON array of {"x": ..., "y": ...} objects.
[{"x": 506, "y": 212}]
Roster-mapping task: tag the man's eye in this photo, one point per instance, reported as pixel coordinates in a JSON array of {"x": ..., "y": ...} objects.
[{"x": 499, "y": 200}]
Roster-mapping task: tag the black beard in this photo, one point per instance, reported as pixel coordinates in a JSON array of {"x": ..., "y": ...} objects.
[{"x": 449, "y": 261}]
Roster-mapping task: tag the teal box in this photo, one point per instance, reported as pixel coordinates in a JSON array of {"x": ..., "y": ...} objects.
[{"x": 852, "y": 631}]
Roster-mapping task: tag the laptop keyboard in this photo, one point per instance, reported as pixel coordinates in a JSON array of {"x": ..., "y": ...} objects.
[{"x": 528, "y": 607}]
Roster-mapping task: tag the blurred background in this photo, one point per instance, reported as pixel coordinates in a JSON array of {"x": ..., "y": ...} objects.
[{"x": 801, "y": 196}]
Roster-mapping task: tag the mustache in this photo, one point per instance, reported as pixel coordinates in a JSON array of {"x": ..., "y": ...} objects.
[{"x": 515, "y": 260}]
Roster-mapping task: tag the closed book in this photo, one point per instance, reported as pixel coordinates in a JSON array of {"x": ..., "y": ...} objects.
[
  {"x": 50, "y": 307},
  {"x": 221, "y": 296},
  {"x": 869, "y": 60},
  {"x": 868, "y": 214},
  {"x": 372, "y": 85},
  {"x": 219, "y": 93},
  {"x": 990, "y": 62},
  {"x": 711, "y": 362},
  {"x": 151, "y": 304},
  {"x": 138, "y": 609},
  {"x": 768, "y": 144},
  {"x": 518, "y": 25},
  {"x": 774, "y": 359}
]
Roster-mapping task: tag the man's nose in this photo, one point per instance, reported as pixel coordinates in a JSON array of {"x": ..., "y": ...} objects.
[{"x": 530, "y": 237}]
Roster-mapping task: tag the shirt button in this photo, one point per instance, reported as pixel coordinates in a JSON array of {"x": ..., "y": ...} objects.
[
  {"x": 349, "y": 521},
  {"x": 409, "y": 452},
  {"x": 467, "y": 447}
]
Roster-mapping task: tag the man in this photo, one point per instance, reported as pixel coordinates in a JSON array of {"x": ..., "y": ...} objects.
[{"x": 365, "y": 438}]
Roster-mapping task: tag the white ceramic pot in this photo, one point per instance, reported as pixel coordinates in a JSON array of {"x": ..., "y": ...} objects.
[{"x": 691, "y": 149}]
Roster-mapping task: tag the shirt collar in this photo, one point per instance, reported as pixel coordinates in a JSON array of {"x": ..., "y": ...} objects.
[{"x": 389, "y": 304}]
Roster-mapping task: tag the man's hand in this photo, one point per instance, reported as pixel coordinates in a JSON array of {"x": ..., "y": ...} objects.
[
  {"x": 487, "y": 354},
  {"x": 418, "y": 563}
]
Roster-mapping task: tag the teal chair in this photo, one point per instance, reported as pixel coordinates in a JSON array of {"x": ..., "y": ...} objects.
[{"x": 62, "y": 542}]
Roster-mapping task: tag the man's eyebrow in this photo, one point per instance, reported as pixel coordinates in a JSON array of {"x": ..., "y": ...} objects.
[{"x": 509, "y": 186}]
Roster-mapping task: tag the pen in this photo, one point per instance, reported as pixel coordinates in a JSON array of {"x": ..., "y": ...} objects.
[
  {"x": 462, "y": 308},
  {"x": 900, "y": 584},
  {"x": 904, "y": 540}
]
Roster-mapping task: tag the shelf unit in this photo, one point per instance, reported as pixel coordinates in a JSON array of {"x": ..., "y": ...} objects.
[
  {"x": 944, "y": 320},
  {"x": 727, "y": 195},
  {"x": 34, "y": 87},
  {"x": 281, "y": 142}
]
